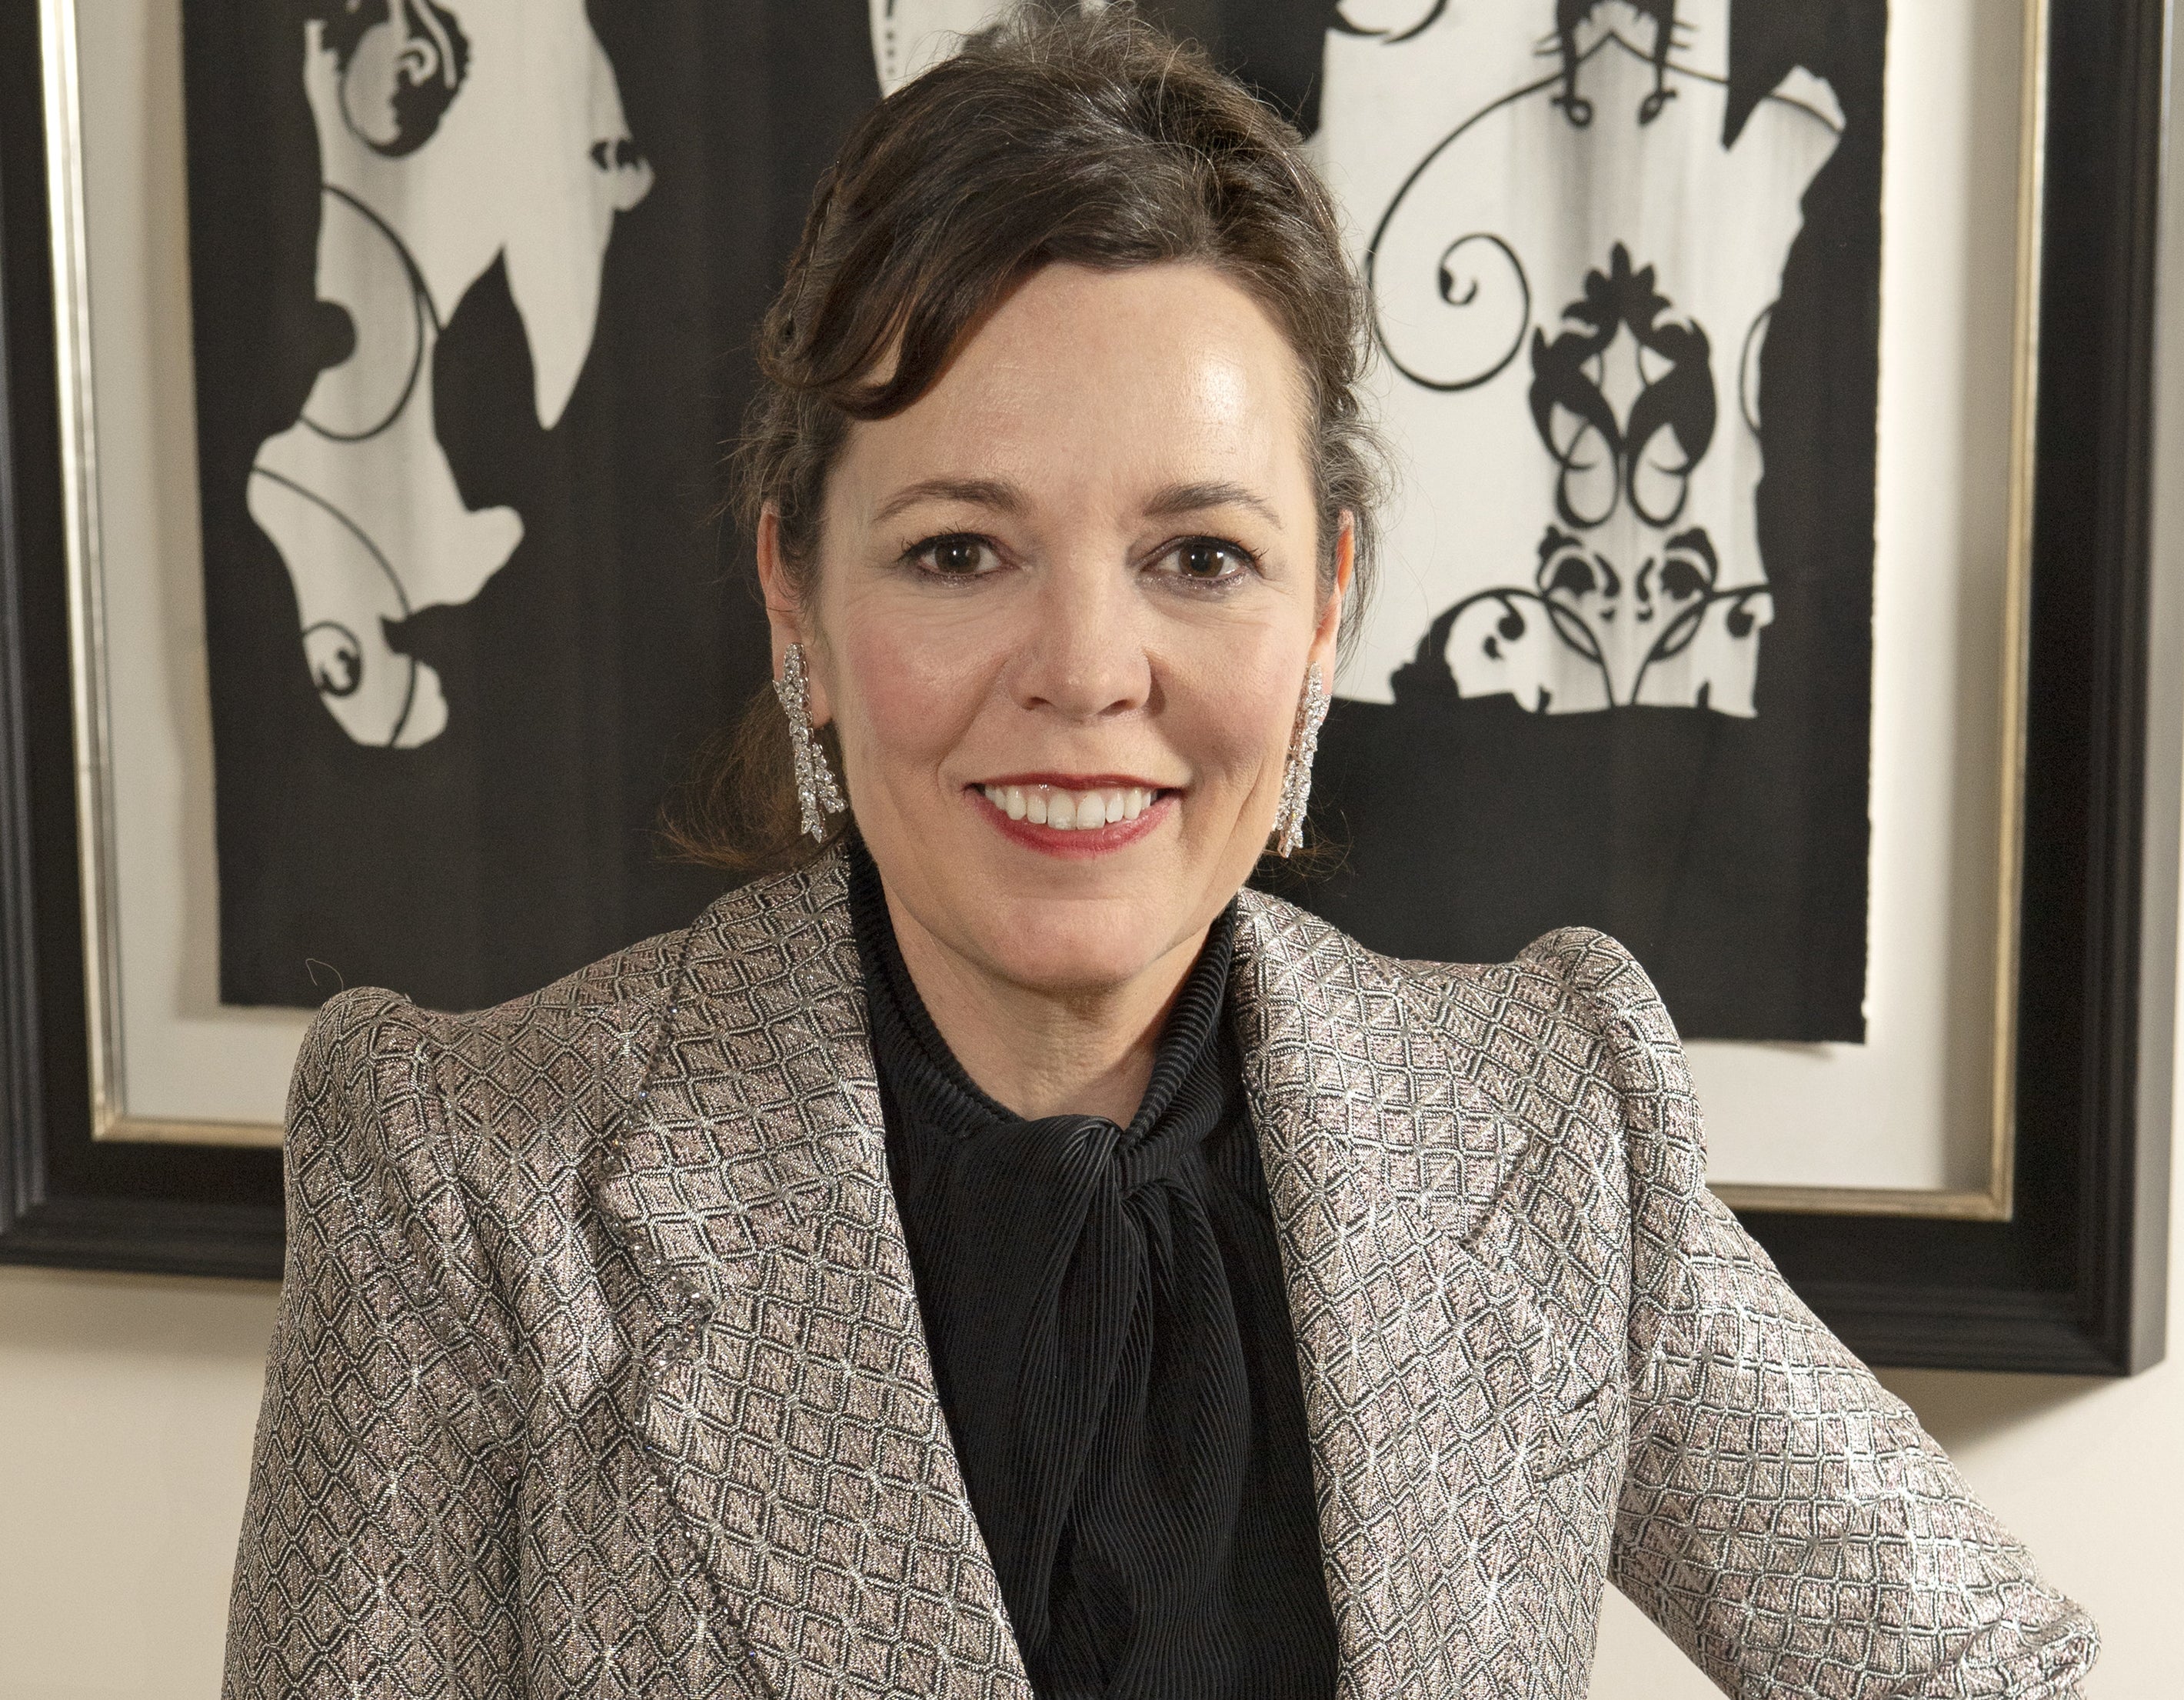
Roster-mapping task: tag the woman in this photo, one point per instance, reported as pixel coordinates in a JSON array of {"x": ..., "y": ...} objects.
[{"x": 1001, "y": 1255}]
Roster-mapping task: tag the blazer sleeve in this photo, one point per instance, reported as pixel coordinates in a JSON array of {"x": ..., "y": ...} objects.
[
  {"x": 1783, "y": 1517},
  {"x": 376, "y": 1555}
]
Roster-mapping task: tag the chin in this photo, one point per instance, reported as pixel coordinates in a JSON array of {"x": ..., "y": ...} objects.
[{"x": 1060, "y": 946}]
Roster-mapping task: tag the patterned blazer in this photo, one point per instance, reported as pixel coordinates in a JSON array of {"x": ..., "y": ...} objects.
[{"x": 599, "y": 1371}]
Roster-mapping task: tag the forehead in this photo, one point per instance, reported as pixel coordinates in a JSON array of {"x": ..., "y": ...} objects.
[{"x": 1086, "y": 381}]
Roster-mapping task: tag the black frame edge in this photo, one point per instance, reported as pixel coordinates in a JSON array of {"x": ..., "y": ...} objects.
[
  {"x": 2162, "y": 852},
  {"x": 2076, "y": 1283},
  {"x": 64, "y": 1203}
]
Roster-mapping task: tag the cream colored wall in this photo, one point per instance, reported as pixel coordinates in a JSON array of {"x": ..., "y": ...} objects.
[{"x": 126, "y": 1405}]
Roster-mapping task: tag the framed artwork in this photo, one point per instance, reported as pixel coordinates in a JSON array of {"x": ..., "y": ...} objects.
[
  {"x": 1766, "y": 581},
  {"x": 1665, "y": 535}
]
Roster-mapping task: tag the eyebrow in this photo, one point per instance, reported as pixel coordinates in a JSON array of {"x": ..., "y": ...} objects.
[
  {"x": 979, "y": 492},
  {"x": 1168, "y": 503},
  {"x": 1196, "y": 499}
]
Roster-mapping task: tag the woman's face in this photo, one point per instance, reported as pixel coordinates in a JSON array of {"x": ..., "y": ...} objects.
[{"x": 1076, "y": 578}]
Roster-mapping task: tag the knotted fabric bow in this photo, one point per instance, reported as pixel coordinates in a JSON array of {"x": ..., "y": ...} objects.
[{"x": 1106, "y": 1316}]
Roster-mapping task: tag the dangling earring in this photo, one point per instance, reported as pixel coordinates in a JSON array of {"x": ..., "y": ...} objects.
[
  {"x": 1297, "y": 779},
  {"x": 817, "y": 793}
]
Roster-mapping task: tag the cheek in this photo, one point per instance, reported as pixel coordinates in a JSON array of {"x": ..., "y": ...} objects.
[
  {"x": 906, "y": 690},
  {"x": 1236, "y": 702}
]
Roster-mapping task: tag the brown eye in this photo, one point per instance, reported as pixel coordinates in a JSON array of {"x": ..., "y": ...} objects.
[
  {"x": 1206, "y": 560},
  {"x": 957, "y": 556}
]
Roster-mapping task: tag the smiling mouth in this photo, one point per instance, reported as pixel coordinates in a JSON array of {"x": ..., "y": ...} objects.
[{"x": 1065, "y": 809}]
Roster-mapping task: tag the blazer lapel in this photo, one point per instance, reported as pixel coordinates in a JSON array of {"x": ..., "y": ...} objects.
[
  {"x": 1418, "y": 1348},
  {"x": 787, "y": 1396},
  {"x": 786, "y": 1391}
]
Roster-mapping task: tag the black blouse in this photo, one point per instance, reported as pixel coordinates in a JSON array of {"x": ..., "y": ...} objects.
[{"x": 1109, "y": 1329}]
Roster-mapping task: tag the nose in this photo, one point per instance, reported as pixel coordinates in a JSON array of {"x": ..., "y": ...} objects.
[{"x": 1084, "y": 659}]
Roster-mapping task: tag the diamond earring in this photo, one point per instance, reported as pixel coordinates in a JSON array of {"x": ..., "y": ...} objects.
[
  {"x": 1296, "y": 779},
  {"x": 817, "y": 793}
]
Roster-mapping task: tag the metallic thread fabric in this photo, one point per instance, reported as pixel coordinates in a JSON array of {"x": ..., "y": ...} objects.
[{"x": 598, "y": 1369}]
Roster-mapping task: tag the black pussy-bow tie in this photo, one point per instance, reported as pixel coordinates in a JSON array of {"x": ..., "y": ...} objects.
[{"x": 1110, "y": 1335}]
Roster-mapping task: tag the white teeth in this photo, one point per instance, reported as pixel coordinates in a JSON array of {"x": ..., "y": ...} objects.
[{"x": 1069, "y": 810}]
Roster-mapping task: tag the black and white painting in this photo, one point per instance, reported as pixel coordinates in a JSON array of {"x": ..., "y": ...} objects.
[
  {"x": 485, "y": 276},
  {"x": 1620, "y": 565},
  {"x": 438, "y": 159},
  {"x": 476, "y": 284},
  {"x": 1623, "y": 262}
]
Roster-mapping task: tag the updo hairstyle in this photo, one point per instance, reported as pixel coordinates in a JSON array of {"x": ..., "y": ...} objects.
[{"x": 1086, "y": 138}]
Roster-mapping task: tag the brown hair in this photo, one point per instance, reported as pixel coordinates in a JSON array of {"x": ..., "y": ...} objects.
[{"x": 1090, "y": 139}]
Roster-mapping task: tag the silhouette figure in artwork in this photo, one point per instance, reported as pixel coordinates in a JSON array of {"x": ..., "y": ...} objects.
[
  {"x": 1602, "y": 450},
  {"x": 452, "y": 137},
  {"x": 1572, "y": 15}
]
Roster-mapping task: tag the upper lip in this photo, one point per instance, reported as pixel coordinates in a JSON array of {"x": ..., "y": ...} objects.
[{"x": 1080, "y": 782}]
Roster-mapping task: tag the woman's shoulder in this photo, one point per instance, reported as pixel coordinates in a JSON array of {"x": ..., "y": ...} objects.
[
  {"x": 365, "y": 1021},
  {"x": 1572, "y": 973},
  {"x": 388, "y": 1092},
  {"x": 1572, "y": 1024},
  {"x": 613, "y": 995},
  {"x": 1565, "y": 1048},
  {"x": 567, "y": 1054}
]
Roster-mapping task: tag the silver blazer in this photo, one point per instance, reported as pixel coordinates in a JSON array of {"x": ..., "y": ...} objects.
[{"x": 599, "y": 1371}]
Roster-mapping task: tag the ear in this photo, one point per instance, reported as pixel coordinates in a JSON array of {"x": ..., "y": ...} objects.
[
  {"x": 785, "y": 618},
  {"x": 1330, "y": 613}
]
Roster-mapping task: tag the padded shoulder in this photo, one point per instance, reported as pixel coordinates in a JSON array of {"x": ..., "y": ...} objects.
[
  {"x": 1578, "y": 972},
  {"x": 1572, "y": 1019},
  {"x": 372, "y": 1202},
  {"x": 1641, "y": 1051},
  {"x": 1600, "y": 971}
]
